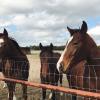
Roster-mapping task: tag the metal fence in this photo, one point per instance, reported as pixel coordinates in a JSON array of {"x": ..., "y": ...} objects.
[
  {"x": 35, "y": 88},
  {"x": 56, "y": 88}
]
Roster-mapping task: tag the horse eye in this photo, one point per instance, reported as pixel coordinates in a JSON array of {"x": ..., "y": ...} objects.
[{"x": 75, "y": 43}]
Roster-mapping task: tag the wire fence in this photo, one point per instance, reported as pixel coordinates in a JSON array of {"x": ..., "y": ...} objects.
[
  {"x": 56, "y": 88},
  {"x": 35, "y": 87}
]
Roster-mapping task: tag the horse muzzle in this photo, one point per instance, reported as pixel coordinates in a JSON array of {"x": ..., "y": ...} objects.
[{"x": 60, "y": 67}]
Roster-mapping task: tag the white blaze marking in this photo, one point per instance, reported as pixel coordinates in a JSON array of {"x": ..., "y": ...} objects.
[
  {"x": 14, "y": 96},
  {"x": 1, "y": 40},
  {"x": 61, "y": 93},
  {"x": 63, "y": 53},
  {"x": 50, "y": 95},
  {"x": 70, "y": 39}
]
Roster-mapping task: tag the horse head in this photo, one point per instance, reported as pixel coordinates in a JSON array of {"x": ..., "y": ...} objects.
[{"x": 78, "y": 48}]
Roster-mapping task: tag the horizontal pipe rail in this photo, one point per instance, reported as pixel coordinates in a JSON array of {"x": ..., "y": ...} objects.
[{"x": 56, "y": 88}]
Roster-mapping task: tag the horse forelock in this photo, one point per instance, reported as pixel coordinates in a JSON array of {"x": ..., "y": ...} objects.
[
  {"x": 8, "y": 45},
  {"x": 15, "y": 44}
]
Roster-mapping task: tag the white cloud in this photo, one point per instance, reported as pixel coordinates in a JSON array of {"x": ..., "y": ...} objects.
[
  {"x": 95, "y": 33},
  {"x": 45, "y": 20},
  {"x": 95, "y": 30},
  {"x": 15, "y": 6}
]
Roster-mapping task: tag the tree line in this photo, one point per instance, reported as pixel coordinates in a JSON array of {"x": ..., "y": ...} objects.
[
  {"x": 54, "y": 47},
  {"x": 35, "y": 47}
]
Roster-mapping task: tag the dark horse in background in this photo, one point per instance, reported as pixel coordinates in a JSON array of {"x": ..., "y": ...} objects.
[
  {"x": 13, "y": 63},
  {"x": 81, "y": 61},
  {"x": 48, "y": 72}
]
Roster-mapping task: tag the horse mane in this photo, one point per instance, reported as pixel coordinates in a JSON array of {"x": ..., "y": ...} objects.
[
  {"x": 91, "y": 41},
  {"x": 16, "y": 44}
]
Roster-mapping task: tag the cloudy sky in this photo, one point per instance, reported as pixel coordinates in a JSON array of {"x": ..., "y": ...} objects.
[{"x": 33, "y": 21}]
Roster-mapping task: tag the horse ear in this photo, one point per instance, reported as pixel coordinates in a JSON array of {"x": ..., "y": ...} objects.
[
  {"x": 51, "y": 45},
  {"x": 84, "y": 28},
  {"x": 71, "y": 31},
  {"x": 40, "y": 45},
  {"x": 5, "y": 32}
]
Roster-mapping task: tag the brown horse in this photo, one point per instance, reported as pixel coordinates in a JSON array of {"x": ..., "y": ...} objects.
[
  {"x": 49, "y": 73},
  {"x": 13, "y": 63},
  {"x": 81, "y": 61}
]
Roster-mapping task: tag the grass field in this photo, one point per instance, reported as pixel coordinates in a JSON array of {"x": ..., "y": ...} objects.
[{"x": 34, "y": 76}]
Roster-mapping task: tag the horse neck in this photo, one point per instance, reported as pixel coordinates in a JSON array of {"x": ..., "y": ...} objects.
[
  {"x": 94, "y": 63},
  {"x": 91, "y": 50},
  {"x": 52, "y": 61},
  {"x": 94, "y": 56},
  {"x": 12, "y": 51}
]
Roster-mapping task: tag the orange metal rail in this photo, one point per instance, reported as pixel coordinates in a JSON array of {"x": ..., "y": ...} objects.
[{"x": 56, "y": 88}]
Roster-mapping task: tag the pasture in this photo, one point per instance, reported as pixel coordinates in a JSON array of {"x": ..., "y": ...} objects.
[{"x": 34, "y": 76}]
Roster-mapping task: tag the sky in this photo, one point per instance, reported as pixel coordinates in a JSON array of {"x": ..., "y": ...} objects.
[{"x": 30, "y": 22}]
